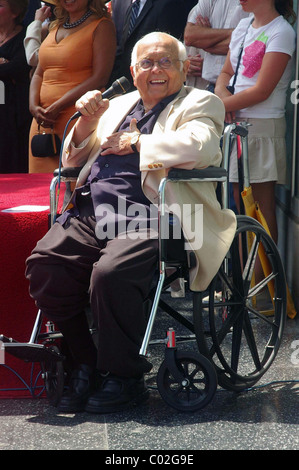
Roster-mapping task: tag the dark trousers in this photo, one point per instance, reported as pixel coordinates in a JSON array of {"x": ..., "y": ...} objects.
[{"x": 70, "y": 267}]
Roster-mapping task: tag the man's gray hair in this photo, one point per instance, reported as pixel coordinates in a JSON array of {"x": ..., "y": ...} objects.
[{"x": 151, "y": 37}]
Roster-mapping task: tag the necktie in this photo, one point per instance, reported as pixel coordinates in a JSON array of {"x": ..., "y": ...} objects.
[{"x": 133, "y": 15}]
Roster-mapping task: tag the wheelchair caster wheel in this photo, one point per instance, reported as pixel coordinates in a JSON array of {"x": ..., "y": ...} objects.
[
  {"x": 187, "y": 384},
  {"x": 53, "y": 376}
]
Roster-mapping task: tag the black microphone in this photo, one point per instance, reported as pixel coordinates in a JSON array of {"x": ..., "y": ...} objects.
[{"x": 119, "y": 87}]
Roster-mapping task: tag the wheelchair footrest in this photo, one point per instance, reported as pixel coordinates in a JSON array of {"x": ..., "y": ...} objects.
[{"x": 31, "y": 352}]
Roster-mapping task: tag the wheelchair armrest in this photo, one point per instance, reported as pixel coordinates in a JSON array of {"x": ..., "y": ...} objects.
[
  {"x": 211, "y": 173},
  {"x": 68, "y": 172}
]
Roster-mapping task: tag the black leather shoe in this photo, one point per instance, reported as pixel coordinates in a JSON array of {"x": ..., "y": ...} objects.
[
  {"x": 82, "y": 385},
  {"x": 116, "y": 394}
]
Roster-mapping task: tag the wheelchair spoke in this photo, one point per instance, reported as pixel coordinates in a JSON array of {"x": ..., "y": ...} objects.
[
  {"x": 229, "y": 324},
  {"x": 236, "y": 342},
  {"x": 250, "y": 263},
  {"x": 261, "y": 285},
  {"x": 195, "y": 379},
  {"x": 229, "y": 329},
  {"x": 226, "y": 281},
  {"x": 251, "y": 341},
  {"x": 237, "y": 268},
  {"x": 259, "y": 315}
]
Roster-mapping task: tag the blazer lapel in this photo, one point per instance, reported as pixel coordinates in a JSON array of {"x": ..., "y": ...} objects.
[
  {"x": 166, "y": 118},
  {"x": 168, "y": 114}
]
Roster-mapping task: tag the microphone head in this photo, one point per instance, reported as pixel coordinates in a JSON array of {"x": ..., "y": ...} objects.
[{"x": 121, "y": 86}]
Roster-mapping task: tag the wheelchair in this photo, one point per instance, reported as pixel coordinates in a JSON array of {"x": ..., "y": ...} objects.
[{"x": 236, "y": 340}]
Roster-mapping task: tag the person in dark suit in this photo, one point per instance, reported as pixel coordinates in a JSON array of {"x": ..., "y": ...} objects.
[
  {"x": 119, "y": 10},
  {"x": 168, "y": 16},
  {"x": 33, "y": 5}
]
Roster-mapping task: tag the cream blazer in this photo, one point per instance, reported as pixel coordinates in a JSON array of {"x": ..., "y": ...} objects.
[{"x": 186, "y": 135}]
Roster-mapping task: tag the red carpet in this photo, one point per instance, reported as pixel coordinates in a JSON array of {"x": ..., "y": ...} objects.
[{"x": 20, "y": 232}]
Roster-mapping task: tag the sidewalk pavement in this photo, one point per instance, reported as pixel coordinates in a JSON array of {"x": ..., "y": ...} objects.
[{"x": 263, "y": 418}]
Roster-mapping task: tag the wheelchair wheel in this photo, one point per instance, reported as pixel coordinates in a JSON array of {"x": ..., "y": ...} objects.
[
  {"x": 193, "y": 387},
  {"x": 53, "y": 376},
  {"x": 240, "y": 327}
]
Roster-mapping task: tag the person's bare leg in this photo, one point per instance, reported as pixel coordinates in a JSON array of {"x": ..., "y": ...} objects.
[
  {"x": 236, "y": 194},
  {"x": 264, "y": 194}
]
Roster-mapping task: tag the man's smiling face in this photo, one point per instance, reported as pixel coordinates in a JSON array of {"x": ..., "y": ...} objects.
[{"x": 157, "y": 82}]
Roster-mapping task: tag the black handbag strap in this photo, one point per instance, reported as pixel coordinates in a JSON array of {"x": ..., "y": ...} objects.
[
  {"x": 240, "y": 55},
  {"x": 39, "y": 126}
]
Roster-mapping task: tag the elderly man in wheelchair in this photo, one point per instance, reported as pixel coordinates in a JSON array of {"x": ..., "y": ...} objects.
[{"x": 94, "y": 252}]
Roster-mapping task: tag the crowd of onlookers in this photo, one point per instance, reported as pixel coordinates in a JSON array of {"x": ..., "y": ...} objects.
[
  {"x": 51, "y": 53},
  {"x": 52, "y": 79}
]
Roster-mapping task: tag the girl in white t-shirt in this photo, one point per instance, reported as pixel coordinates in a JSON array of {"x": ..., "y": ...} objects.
[{"x": 260, "y": 95}]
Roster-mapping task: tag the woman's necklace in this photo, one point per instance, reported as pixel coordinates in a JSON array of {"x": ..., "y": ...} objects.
[
  {"x": 7, "y": 36},
  {"x": 68, "y": 25}
]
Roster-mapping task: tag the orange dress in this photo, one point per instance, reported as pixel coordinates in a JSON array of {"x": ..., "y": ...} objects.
[{"x": 65, "y": 65}]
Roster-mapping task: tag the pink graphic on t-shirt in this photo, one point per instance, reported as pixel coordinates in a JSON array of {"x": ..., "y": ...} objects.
[{"x": 253, "y": 56}]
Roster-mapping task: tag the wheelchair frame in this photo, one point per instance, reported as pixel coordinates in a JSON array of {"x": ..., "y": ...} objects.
[{"x": 188, "y": 381}]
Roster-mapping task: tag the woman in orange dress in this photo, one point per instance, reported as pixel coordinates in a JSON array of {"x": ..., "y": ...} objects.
[{"x": 76, "y": 56}]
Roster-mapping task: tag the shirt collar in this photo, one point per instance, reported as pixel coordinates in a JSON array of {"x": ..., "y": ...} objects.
[{"x": 162, "y": 104}]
